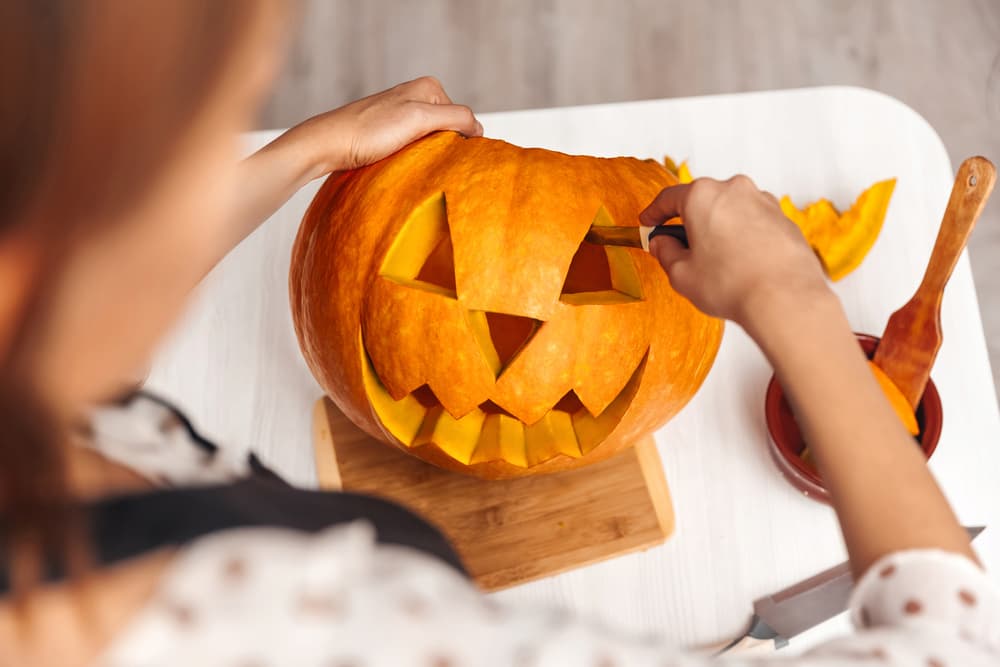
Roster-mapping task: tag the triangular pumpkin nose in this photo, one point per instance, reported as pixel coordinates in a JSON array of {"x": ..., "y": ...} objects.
[{"x": 509, "y": 334}]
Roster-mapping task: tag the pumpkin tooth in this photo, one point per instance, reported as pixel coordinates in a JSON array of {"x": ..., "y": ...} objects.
[
  {"x": 403, "y": 418},
  {"x": 550, "y": 436},
  {"x": 455, "y": 437},
  {"x": 593, "y": 430},
  {"x": 502, "y": 438},
  {"x": 612, "y": 357}
]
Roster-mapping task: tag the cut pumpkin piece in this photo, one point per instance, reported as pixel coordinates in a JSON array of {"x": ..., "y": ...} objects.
[
  {"x": 899, "y": 404},
  {"x": 841, "y": 240},
  {"x": 681, "y": 170},
  {"x": 684, "y": 174},
  {"x": 896, "y": 399}
]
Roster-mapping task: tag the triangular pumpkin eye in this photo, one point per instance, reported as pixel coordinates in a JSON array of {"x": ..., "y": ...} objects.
[
  {"x": 421, "y": 255},
  {"x": 439, "y": 269},
  {"x": 601, "y": 274},
  {"x": 589, "y": 271}
]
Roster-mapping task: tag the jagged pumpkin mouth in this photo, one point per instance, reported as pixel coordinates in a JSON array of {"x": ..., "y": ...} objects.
[{"x": 490, "y": 433}]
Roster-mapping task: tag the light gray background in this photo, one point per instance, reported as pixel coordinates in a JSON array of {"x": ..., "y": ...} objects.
[{"x": 942, "y": 57}]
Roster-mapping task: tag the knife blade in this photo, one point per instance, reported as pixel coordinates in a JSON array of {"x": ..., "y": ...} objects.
[
  {"x": 780, "y": 616},
  {"x": 635, "y": 237}
]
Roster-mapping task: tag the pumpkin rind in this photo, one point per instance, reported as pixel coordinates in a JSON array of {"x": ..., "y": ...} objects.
[{"x": 372, "y": 332}]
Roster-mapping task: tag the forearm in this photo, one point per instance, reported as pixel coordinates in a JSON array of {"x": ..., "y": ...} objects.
[
  {"x": 353, "y": 136},
  {"x": 268, "y": 179},
  {"x": 879, "y": 483}
]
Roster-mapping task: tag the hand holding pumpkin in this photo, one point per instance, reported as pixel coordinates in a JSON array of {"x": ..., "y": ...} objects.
[
  {"x": 742, "y": 247},
  {"x": 377, "y": 126},
  {"x": 352, "y": 136}
]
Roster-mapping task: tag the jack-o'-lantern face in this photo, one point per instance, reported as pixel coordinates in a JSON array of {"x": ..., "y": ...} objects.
[{"x": 447, "y": 302}]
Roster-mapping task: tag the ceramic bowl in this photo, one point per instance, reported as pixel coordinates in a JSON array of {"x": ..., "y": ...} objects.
[{"x": 787, "y": 443}]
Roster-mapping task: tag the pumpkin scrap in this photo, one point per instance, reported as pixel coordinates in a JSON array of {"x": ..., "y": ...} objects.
[
  {"x": 447, "y": 302},
  {"x": 841, "y": 240},
  {"x": 681, "y": 171},
  {"x": 896, "y": 399}
]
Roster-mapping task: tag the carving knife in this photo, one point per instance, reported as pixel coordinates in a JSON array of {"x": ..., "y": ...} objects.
[
  {"x": 780, "y": 616},
  {"x": 635, "y": 237}
]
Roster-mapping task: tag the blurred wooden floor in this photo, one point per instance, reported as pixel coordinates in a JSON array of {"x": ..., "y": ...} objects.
[{"x": 940, "y": 57}]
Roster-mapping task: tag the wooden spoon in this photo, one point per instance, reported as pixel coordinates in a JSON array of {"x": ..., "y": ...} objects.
[{"x": 913, "y": 335}]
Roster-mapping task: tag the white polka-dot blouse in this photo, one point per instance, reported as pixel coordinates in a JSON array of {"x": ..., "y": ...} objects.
[{"x": 274, "y": 597}]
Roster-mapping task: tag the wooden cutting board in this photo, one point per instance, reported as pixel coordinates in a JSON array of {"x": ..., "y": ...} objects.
[{"x": 512, "y": 531}]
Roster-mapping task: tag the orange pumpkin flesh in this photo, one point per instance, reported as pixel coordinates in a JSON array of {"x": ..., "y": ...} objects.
[
  {"x": 446, "y": 301},
  {"x": 897, "y": 400},
  {"x": 842, "y": 240},
  {"x": 900, "y": 405}
]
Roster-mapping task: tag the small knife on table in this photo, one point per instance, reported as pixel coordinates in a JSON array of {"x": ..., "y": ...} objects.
[
  {"x": 636, "y": 237},
  {"x": 780, "y": 616}
]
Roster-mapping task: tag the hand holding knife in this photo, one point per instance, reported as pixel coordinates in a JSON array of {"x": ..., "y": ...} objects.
[{"x": 775, "y": 290}]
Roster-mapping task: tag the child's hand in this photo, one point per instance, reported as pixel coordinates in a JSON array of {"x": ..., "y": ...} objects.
[
  {"x": 372, "y": 128},
  {"x": 352, "y": 136},
  {"x": 742, "y": 247}
]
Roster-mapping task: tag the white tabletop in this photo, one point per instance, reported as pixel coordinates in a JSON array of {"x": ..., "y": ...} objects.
[{"x": 742, "y": 531}]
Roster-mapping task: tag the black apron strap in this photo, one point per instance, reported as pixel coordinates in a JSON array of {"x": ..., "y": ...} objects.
[{"x": 128, "y": 526}]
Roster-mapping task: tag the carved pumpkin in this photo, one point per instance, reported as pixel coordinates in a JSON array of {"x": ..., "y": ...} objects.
[{"x": 446, "y": 301}]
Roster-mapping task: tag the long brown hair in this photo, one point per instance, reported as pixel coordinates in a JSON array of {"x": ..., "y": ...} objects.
[{"x": 93, "y": 98}]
